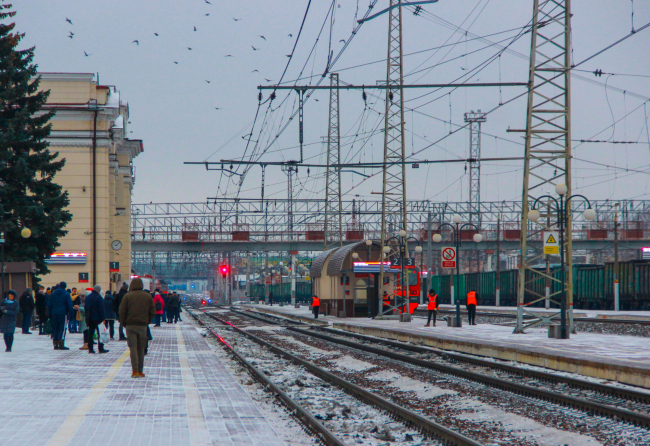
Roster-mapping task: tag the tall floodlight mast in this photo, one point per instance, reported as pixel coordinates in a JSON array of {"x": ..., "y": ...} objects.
[
  {"x": 475, "y": 120},
  {"x": 333, "y": 231},
  {"x": 393, "y": 198},
  {"x": 548, "y": 152}
]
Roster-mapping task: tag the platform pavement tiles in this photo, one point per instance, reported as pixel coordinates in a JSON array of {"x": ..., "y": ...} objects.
[{"x": 57, "y": 398}]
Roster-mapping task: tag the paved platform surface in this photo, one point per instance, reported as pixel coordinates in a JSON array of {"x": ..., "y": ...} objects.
[
  {"x": 188, "y": 397},
  {"x": 615, "y": 357},
  {"x": 603, "y": 314}
]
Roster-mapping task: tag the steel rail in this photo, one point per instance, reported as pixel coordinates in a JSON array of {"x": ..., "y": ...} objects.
[
  {"x": 576, "y": 319},
  {"x": 526, "y": 390},
  {"x": 311, "y": 423},
  {"x": 431, "y": 427}
]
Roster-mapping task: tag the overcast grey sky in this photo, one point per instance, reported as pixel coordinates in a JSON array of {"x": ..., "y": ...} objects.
[{"x": 173, "y": 106}]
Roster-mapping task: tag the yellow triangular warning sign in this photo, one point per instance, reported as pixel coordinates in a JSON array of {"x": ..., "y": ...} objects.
[{"x": 551, "y": 239}]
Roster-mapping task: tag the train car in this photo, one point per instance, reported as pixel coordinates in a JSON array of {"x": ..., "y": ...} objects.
[{"x": 413, "y": 286}]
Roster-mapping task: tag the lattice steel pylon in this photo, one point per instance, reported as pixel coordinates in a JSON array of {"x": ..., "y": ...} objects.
[
  {"x": 394, "y": 186},
  {"x": 475, "y": 119},
  {"x": 333, "y": 230},
  {"x": 548, "y": 152}
]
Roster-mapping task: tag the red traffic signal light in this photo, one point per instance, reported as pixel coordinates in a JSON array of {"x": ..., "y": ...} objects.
[
  {"x": 203, "y": 302},
  {"x": 224, "y": 270}
]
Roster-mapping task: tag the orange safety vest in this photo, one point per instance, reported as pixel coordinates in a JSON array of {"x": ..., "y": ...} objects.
[
  {"x": 471, "y": 298},
  {"x": 386, "y": 302},
  {"x": 433, "y": 302},
  {"x": 316, "y": 302}
]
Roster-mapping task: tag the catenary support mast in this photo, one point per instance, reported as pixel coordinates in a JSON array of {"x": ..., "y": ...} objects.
[
  {"x": 548, "y": 150},
  {"x": 333, "y": 231}
]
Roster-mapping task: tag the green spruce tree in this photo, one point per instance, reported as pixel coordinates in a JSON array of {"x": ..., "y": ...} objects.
[{"x": 29, "y": 197}]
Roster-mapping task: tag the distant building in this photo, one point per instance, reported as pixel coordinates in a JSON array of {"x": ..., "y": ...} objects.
[{"x": 89, "y": 130}]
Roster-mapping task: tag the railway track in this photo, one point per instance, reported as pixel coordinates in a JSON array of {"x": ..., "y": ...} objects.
[
  {"x": 587, "y": 396},
  {"x": 431, "y": 429}
]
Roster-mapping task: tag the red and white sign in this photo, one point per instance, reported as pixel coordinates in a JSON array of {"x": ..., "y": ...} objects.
[{"x": 449, "y": 257}]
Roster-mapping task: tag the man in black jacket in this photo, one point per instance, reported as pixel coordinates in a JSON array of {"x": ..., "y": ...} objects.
[
  {"x": 117, "y": 301},
  {"x": 41, "y": 310},
  {"x": 173, "y": 305},
  {"x": 94, "y": 307},
  {"x": 27, "y": 306}
]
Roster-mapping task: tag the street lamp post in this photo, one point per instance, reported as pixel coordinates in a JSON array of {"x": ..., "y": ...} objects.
[
  {"x": 25, "y": 233},
  {"x": 457, "y": 219},
  {"x": 562, "y": 208}
]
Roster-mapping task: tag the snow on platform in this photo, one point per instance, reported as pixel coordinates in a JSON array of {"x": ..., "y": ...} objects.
[
  {"x": 610, "y": 357},
  {"x": 73, "y": 398},
  {"x": 602, "y": 314}
]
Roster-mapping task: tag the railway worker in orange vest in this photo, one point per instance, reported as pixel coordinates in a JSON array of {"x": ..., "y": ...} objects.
[
  {"x": 432, "y": 307},
  {"x": 471, "y": 307},
  {"x": 315, "y": 305}
]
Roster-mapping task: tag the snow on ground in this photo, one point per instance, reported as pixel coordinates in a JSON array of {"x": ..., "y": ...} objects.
[
  {"x": 264, "y": 328},
  {"x": 350, "y": 363},
  {"x": 313, "y": 351},
  {"x": 519, "y": 425},
  {"x": 423, "y": 390}
]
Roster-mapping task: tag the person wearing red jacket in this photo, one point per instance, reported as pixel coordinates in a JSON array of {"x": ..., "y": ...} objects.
[
  {"x": 432, "y": 307},
  {"x": 159, "y": 303},
  {"x": 315, "y": 305},
  {"x": 471, "y": 307}
]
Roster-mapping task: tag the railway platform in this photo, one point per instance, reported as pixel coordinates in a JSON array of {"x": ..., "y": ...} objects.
[
  {"x": 603, "y": 356},
  {"x": 188, "y": 398}
]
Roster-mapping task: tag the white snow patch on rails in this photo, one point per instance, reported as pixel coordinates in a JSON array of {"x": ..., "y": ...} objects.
[
  {"x": 520, "y": 426},
  {"x": 350, "y": 363},
  {"x": 313, "y": 351},
  {"x": 422, "y": 390}
]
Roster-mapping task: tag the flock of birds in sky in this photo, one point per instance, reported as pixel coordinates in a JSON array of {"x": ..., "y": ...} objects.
[{"x": 137, "y": 43}]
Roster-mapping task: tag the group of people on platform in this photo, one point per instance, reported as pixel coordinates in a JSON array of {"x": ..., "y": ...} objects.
[
  {"x": 432, "y": 306},
  {"x": 61, "y": 310}
]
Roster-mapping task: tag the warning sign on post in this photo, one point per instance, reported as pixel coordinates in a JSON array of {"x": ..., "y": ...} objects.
[
  {"x": 449, "y": 257},
  {"x": 551, "y": 242}
]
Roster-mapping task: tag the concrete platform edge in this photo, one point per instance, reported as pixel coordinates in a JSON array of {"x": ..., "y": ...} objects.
[{"x": 613, "y": 372}]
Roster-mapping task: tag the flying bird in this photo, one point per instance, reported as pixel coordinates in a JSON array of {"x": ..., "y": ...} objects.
[
  {"x": 207, "y": 14},
  {"x": 236, "y": 20},
  {"x": 207, "y": 2},
  {"x": 263, "y": 37},
  {"x": 229, "y": 55},
  {"x": 136, "y": 42},
  {"x": 189, "y": 48},
  {"x": 290, "y": 35},
  {"x": 268, "y": 80},
  {"x": 342, "y": 40},
  {"x": 255, "y": 71},
  {"x": 68, "y": 20},
  {"x": 208, "y": 81},
  {"x": 176, "y": 62},
  {"x": 254, "y": 49},
  {"x": 288, "y": 55},
  {"x": 86, "y": 54},
  {"x": 195, "y": 28},
  {"x": 462, "y": 68},
  {"x": 71, "y": 34},
  {"x": 155, "y": 34},
  {"x": 217, "y": 108}
]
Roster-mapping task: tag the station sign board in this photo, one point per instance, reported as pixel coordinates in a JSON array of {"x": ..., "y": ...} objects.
[
  {"x": 369, "y": 267},
  {"x": 67, "y": 258},
  {"x": 449, "y": 257},
  {"x": 409, "y": 261},
  {"x": 645, "y": 253},
  {"x": 114, "y": 267},
  {"x": 551, "y": 242}
]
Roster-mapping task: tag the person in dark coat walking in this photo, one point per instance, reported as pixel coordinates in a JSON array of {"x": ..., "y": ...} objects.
[
  {"x": 109, "y": 314},
  {"x": 58, "y": 308},
  {"x": 271, "y": 298},
  {"x": 165, "y": 298},
  {"x": 173, "y": 304},
  {"x": 41, "y": 309},
  {"x": 27, "y": 306},
  {"x": 9, "y": 309},
  {"x": 95, "y": 315},
  {"x": 117, "y": 301},
  {"x": 137, "y": 311}
]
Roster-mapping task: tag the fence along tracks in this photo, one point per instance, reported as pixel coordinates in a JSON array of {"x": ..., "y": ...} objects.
[
  {"x": 429, "y": 427},
  {"x": 606, "y": 410}
]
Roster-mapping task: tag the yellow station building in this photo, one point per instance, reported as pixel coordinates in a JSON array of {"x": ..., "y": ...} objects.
[{"x": 90, "y": 131}]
